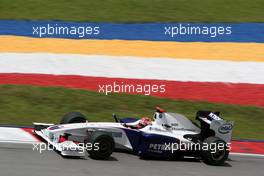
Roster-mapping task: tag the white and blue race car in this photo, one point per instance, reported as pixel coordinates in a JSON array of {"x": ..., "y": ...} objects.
[{"x": 167, "y": 135}]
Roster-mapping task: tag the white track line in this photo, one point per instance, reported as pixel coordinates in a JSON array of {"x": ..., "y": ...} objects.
[
  {"x": 19, "y": 142},
  {"x": 133, "y": 67},
  {"x": 247, "y": 154}
]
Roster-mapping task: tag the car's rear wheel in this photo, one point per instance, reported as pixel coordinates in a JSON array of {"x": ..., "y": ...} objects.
[
  {"x": 216, "y": 153},
  {"x": 103, "y": 145},
  {"x": 73, "y": 117}
]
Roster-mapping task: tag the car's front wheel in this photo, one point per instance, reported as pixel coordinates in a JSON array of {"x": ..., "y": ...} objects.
[
  {"x": 103, "y": 145},
  {"x": 73, "y": 117}
]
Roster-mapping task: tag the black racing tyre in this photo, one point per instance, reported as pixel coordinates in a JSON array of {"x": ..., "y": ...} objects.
[
  {"x": 73, "y": 117},
  {"x": 103, "y": 145},
  {"x": 215, "y": 155}
]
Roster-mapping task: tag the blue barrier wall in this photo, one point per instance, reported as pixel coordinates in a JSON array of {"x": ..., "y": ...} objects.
[{"x": 240, "y": 32}]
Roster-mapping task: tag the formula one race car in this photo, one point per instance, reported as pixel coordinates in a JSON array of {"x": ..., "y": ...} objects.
[{"x": 169, "y": 135}]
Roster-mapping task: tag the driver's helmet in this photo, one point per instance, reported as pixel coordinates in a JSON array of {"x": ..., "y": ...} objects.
[{"x": 144, "y": 121}]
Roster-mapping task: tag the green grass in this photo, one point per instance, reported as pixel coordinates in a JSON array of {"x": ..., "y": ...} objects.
[
  {"x": 135, "y": 10},
  {"x": 23, "y": 105}
]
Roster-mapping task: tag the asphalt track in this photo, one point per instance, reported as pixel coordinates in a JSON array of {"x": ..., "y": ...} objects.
[{"x": 20, "y": 159}]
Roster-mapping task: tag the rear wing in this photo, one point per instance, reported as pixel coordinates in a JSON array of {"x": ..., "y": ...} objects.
[
  {"x": 214, "y": 125},
  {"x": 223, "y": 129}
]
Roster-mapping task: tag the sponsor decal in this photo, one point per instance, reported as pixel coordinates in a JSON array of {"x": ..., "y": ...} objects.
[
  {"x": 174, "y": 124},
  {"x": 214, "y": 116},
  {"x": 159, "y": 147},
  {"x": 55, "y": 127},
  {"x": 225, "y": 128},
  {"x": 156, "y": 129}
]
